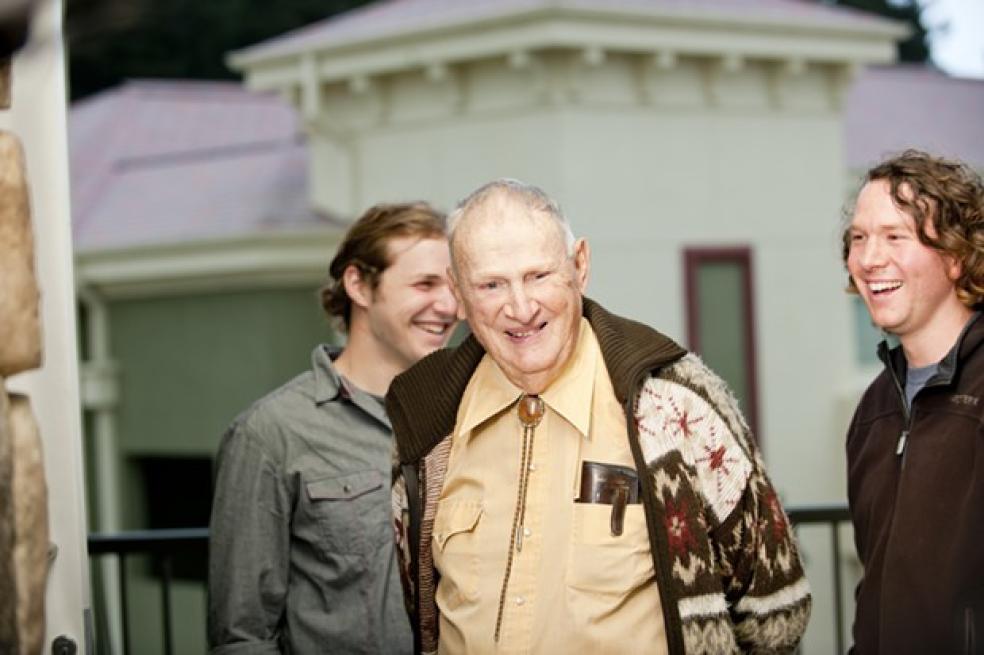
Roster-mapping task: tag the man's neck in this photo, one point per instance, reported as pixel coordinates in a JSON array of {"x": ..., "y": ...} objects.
[
  {"x": 930, "y": 345},
  {"x": 365, "y": 364}
]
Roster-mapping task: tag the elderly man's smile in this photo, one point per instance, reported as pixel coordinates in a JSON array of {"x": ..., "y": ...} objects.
[{"x": 521, "y": 336}]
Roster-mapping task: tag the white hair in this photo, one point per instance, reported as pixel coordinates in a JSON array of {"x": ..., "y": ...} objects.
[{"x": 535, "y": 199}]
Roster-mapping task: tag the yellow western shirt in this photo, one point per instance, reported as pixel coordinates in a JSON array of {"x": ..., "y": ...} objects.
[{"x": 573, "y": 587}]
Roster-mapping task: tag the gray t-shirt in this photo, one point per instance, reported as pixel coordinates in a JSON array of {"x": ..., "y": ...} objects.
[{"x": 916, "y": 379}]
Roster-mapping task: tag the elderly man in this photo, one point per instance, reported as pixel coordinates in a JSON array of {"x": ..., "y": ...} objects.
[{"x": 575, "y": 482}]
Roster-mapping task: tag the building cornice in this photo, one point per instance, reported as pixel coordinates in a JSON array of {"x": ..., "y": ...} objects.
[
  {"x": 662, "y": 32},
  {"x": 253, "y": 262}
]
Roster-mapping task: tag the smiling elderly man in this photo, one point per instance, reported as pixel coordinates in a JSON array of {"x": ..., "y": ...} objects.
[{"x": 572, "y": 481}]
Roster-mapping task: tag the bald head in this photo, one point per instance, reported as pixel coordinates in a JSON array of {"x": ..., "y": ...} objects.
[{"x": 505, "y": 199}]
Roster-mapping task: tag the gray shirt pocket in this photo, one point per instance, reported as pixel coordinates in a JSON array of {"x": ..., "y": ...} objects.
[{"x": 348, "y": 513}]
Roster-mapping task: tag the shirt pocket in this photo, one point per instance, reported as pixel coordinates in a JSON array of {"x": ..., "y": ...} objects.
[
  {"x": 601, "y": 563},
  {"x": 455, "y": 548},
  {"x": 349, "y": 511}
]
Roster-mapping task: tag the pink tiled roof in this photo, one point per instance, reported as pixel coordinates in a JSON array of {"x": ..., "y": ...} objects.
[
  {"x": 911, "y": 106},
  {"x": 165, "y": 162},
  {"x": 171, "y": 161},
  {"x": 388, "y": 18}
]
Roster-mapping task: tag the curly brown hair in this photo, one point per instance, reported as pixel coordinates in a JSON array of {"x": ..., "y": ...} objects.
[
  {"x": 365, "y": 247},
  {"x": 947, "y": 194}
]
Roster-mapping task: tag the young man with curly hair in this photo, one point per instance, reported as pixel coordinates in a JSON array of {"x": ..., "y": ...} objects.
[
  {"x": 301, "y": 550},
  {"x": 914, "y": 250}
]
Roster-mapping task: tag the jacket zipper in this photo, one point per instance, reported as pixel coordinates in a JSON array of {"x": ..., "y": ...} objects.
[
  {"x": 900, "y": 447},
  {"x": 906, "y": 413}
]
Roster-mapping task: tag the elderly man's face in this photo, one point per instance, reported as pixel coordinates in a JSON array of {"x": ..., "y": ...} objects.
[{"x": 520, "y": 291}]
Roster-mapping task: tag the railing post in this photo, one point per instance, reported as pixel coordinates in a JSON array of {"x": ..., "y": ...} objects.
[
  {"x": 166, "y": 600},
  {"x": 838, "y": 595},
  {"x": 123, "y": 604}
]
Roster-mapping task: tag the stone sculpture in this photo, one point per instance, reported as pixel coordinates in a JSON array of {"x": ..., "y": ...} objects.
[{"x": 23, "y": 492}]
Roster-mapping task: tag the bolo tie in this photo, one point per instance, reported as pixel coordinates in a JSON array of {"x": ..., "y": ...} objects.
[{"x": 530, "y": 410}]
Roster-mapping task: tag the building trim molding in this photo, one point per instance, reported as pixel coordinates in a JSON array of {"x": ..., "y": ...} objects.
[{"x": 258, "y": 261}]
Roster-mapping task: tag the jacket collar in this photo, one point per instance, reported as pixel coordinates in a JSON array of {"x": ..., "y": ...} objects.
[
  {"x": 423, "y": 401},
  {"x": 969, "y": 340}
]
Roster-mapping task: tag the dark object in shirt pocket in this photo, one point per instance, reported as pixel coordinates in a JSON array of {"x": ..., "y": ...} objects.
[
  {"x": 609, "y": 484},
  {"x": 349, "y": 512}
]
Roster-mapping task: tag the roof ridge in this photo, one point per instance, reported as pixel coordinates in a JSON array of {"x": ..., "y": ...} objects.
[
  {"x": 201, "y": 90},
  {"x": 203, "y": 154}
]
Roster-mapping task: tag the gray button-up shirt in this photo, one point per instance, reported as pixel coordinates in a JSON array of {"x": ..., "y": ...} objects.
[{"x": 302, "y": 551}]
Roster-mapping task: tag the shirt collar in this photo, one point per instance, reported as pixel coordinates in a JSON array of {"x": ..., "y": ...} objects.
[
  {"x": 488, "y": 393},
  {"x": 330, "y": 386},
  {"x": 327, "y": 381},
  {"x": 570, "y": 395}
]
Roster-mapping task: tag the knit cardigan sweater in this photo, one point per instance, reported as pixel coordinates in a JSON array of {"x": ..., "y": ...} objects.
[{"x": 729, "y": 575}]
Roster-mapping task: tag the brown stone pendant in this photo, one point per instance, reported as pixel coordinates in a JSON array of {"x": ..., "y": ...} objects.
[{"x": 530, "y": 411}]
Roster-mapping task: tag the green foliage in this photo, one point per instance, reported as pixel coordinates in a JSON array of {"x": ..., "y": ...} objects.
[
  {"x": 113, "y": 40},
  {"x": 915, "y": 48}
]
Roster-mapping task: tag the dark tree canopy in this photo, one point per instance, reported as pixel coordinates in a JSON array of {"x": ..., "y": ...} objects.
[
  {"x": 916, "y": 47},
  {"x": 113, "y": 40}
]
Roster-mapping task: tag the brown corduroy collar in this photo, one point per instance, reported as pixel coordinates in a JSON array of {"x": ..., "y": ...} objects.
[{"x": 423, "y": 401}]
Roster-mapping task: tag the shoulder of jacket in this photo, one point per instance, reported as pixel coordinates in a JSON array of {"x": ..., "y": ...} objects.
[
  {"x": 690, "y": 373},
  {"x": 259, "y": 425},
  {"x": 686, "y": 414}
]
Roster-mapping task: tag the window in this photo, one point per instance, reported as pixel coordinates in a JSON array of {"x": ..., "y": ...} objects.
[{"x": 720, "y": 319}]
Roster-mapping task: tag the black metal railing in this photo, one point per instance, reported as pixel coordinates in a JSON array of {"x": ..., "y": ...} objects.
[
  {"x": 164, "y": 545},
  {"x": 833, "y": 516}
]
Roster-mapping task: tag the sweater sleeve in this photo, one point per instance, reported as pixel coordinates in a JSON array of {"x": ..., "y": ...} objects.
[
  {"x": 765, "y": 587},
  {"x": 746, "y": 588}
]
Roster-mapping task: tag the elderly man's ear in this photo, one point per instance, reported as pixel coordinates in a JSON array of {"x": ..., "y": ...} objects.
[
  {"x": 453, "y": 281},
  {"x": 582, "y": 263}
]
